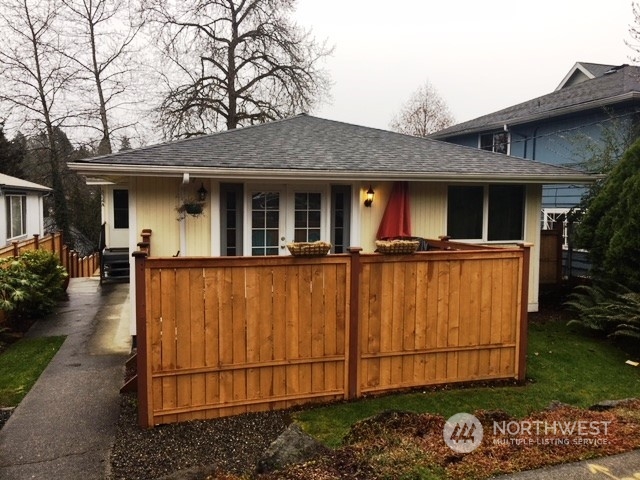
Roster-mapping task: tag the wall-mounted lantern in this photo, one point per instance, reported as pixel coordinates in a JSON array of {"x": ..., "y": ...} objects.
[
  {"x": 202, "y": 193},
  {"x": 369, "y": 200}
]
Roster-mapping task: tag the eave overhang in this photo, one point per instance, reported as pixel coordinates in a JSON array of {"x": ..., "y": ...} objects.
[{"x": 110, "y": 172}]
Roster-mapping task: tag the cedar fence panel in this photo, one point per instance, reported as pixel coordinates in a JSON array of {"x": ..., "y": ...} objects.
[
  {"x": 439, "y": 317},
  {"x": 223, "y": 336},
  {"x": 227, "y": 336}
]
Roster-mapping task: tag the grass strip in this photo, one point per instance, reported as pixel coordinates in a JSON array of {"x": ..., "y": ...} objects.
[
  {"x": 21, "y": 365},
  {"x": 562, "y": 365}
]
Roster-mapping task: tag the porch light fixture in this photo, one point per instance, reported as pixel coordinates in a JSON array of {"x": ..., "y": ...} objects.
[
  {"x": 369, "y": 200},
  {"x": 202, "y": 193}
]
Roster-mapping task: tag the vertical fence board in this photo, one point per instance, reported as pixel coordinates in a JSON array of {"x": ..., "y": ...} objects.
[
  {"x": 239, "y": 335},
  {"x": 280, "y": 334},
  {"x": 198, "y": 301},
  {"x": 183, "y": 315},
  {"x": 213, "y": 281},
  {"x": 305, "y": 328},
  {"x": 168, "y": 341}
]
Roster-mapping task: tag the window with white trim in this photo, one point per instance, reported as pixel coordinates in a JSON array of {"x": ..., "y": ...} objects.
[
  {"x": 486, "y": 213},
  {"x": 497, "y": 142},
  {"x": 16, "y": 215}
]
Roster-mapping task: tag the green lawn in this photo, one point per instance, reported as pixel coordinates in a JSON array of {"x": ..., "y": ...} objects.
[
  {"x": 562, "y": 365},
  {"x": 21, "y": 365}
]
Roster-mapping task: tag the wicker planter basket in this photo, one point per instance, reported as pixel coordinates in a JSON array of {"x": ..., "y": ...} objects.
[
  {"x": 396, "y": 247},
  {"x": 309, "y": 249}
]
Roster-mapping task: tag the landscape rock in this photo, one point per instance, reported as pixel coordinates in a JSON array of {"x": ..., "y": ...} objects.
[
  {"x": 609, "y": 404},
  {"x": 292, "y": 446},
  {"x": 557, "y": 405}
]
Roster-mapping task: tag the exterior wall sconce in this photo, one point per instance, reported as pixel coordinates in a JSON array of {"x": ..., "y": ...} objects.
[
  {"x": 202, "y": 193},
  {"x": 369, "y": 200}
]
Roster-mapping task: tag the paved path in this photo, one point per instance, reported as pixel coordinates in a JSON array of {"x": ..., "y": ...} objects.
[
  {"x": 64, "y": 427},
  {"x": 625, "y": 466}
]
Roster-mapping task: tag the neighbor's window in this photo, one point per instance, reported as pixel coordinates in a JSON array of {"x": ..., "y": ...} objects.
[
  {"x": 120, "y": 209},
  {"x": 16, "y": 215},
  {"x": 495, "y": 142},
  {"x": 494, "y": 213}
]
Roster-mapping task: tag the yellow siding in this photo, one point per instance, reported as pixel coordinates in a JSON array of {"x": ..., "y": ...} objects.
[
  {"x": 370, "y": 217},
  {"x": 532, "y": 235},
  {"x": 428, "y": 209},
  {"x": 198, "y": 229},
  {"x": 156, "y": 202}
]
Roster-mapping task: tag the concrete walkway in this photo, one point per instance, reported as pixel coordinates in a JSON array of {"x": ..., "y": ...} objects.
[
  {"x": 64, "y": 427},
  {"x": 625, "y": 466}
]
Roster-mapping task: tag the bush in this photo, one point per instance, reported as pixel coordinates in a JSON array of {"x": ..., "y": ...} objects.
[
  {"x": 608, "y": 310},
  {"x": 31, "y": 285}
]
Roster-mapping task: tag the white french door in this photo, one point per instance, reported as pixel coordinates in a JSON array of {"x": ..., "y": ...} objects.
[{"x": 277, "y": 216}]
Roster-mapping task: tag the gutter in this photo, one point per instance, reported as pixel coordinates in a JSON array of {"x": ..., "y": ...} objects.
[{"x": 108, "y": 171}]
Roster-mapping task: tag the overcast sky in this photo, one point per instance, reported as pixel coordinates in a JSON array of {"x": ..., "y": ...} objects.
[{"x": 480, "y": 56}]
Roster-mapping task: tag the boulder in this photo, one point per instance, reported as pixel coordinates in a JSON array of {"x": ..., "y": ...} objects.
[{"x": 292, "y": 446}]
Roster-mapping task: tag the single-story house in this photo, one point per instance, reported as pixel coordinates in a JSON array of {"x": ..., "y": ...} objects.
[
  {"x": 21, "y": 209},
  {"x": 592, "y": 103},
  {"x": 306, "y": 178}
]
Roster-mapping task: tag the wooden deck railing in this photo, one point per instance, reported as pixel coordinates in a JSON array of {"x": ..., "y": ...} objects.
[
  {"x": 75, "y": 265},
  {"x": 228, "y": 335}
]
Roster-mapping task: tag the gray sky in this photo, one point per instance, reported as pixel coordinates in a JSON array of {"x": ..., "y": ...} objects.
[{"x": 480, "y": 56}]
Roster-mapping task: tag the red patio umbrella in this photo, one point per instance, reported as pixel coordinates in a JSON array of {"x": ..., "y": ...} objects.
[{"x": 396, "y": 220}]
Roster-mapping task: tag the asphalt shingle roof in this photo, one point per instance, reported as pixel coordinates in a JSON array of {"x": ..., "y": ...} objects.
[
  {"x": 7, "y": 181},
  {"x": 309, "y": 144},
  {"x": 624, "y": 80}
]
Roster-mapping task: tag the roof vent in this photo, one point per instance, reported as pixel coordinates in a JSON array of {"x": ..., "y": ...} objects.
[{"x": 615, "y": 69}]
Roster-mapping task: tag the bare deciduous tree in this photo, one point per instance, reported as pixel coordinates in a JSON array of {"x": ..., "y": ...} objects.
[
  {"x": 34, "y": 79},
  {"x": 239, "y": 62},
  {"x": 424, "y": 113},
  {"x": 103, "y": 34}
]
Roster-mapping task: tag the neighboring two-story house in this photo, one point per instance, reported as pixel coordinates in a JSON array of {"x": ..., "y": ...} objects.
[
  {"x": 564, "y": 128},
  {"x": 21, "y": 209}
]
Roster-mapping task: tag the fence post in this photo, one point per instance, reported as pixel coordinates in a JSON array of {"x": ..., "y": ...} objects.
[
  {"x": 16, "y": 250},
  {"x": 524, "y": 311},
  {"x": 145, "y": 410},
  {"x": 353, "y": 380},
  {"x": 36, "y": 241}
]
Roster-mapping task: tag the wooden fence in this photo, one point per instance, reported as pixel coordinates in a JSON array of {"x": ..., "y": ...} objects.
[
  {"x": 75, "y": 265},
  {"x": 551, "y": 257},
  {"x": 223, "y": 336}
]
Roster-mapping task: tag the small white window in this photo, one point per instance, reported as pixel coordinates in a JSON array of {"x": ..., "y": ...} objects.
[{"x": 16, "y": 215}]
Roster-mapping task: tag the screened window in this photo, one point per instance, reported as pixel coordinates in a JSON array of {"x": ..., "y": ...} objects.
[
  {"x": 506, "y": 212},
  {"x": 494, "y": 213},
  {"x": 465, "y": 212},
  {"x": 16, "y": 215},
  {"x": 120, "y": 209},
  {"x": 495, "y": 142}
]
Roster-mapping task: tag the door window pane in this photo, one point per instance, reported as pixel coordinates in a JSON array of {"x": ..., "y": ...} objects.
[
  {"x": 307, "y": 216},
  {"x": 265, "y": 223}
]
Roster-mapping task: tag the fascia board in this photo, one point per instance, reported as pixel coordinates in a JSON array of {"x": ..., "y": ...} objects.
[{"x": 107, "y": 170}]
